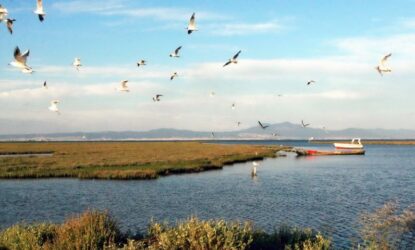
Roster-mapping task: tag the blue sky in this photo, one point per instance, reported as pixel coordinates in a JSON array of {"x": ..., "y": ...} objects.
[{"x": 284, "y": 44}]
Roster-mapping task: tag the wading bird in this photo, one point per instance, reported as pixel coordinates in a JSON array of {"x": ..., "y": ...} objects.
[
  {"x": 192, "y": 25},
  {"x": 39, "y": 10},
  {"x": 253, "y": 171},
  {"x": 234, "y": 59},
  {"x": 262, "y": 126},
  {"x": 382, "y": 68},
  {"x": 20, "y": 60},
  {"x": 175, "y": 53}
]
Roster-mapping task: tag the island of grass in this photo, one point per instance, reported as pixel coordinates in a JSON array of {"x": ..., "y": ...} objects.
[{"x": 121, "y": 160}]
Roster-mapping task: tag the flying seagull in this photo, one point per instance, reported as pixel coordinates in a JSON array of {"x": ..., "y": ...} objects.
[
  {"x": 275, "y": 134},
  {"x": 175, "y": 53},
  {"x": 213, "y": 134},
  {"x": 141, "y": 63},
  {"x": 54, "y": 106},
  {"x": 192, "y": 25},
  {"x": 45, "y": 86},
  {"x": 212, "y": 94},
  {"x": 3, "y": 11},
  {"x": 304, "y": 125},
  {"x": 382, "y": 68},
  {"x": 239, "y": 123},
  {"x": 262, "y": 126},
  {"x": 157, "y": 98},
  {"x": 39, "y": 10},
  {"x": 123, "y": 87},
  {"x": 9, "y": 24},
  {"x": 233, "y": 105},
  {"x": 233, "y": 59},
  {"x": 310, "y": 82},
  {"x": 20, "y": 60},
  {"x": 174, "y": 75},
  {"x": 77, "y": 63}
]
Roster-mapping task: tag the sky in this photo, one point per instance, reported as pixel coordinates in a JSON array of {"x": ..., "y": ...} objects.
[{"x": 284, "y": 45}]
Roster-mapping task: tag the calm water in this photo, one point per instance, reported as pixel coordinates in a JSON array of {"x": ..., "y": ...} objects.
[{"x": 325, "y": 193}]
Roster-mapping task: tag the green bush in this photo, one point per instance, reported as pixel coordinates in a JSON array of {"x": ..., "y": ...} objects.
[{"x": 286, "y": 237}]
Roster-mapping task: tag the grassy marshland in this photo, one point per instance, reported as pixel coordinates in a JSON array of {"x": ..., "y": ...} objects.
[
  {"x": 122, "y": 160},
  {"x": 97, "y": 230}
]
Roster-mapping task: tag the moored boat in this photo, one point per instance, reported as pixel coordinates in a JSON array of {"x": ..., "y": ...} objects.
[
  {"x": 354, "y": 144},
  {"x": 312, "y": 152}
]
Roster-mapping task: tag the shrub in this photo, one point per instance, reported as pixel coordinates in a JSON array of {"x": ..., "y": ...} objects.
[{"x": 27, "y": 236}]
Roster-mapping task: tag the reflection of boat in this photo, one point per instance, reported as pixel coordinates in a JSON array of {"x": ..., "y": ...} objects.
[
  {"x": 306, "y": 152},
  {"x": 354, "y": 144}
]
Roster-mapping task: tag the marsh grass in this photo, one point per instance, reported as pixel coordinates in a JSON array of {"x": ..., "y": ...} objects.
[
  {"x": 123, "y": 160},
  {"x": 97, "y": 230}
]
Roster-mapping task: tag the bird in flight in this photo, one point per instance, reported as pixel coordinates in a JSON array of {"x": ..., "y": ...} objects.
[
  {"x": 9, "y": 24},
  {"x": 45, "y": 86},
  {"x": 141, "y": 63},
  {"x": 239, "y": 123},
  {"x": 275, "y": 134},
  {"x": 234, "y": 59},
  {"x": 39, "y": 10},
  {"x": 212, "y": 94},
  {"x": 213, "y": 134},
  {"x": 77, "y": 63},
  {"x": 262, "y": 126},
  {"x": 20, "y": 60},
  {"x": 233, "y": 105},
  {"x": 123, "y": 86},
  {"x": 175, "y": 53},
  {"x": 192, "y": 25},
  {"x": 54, "y": 106},
  {"x": 304, "y": 125},
  {"x": 174, "y": 75},
  {"x": 157, "y": 98},
  {"x": 382, "y": 68},
  {"x": 310, "y": 82},
  {"x": 3, "y": 11}
]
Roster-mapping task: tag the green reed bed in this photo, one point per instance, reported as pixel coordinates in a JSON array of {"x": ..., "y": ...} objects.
[{"x": 123, "y": 160}]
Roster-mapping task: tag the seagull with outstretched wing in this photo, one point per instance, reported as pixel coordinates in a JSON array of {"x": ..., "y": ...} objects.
[
  {"x": 382, "y": 68},
  {"x": 234, "y": 59},
  {"x": 175, "y": 53},
  {"x": 262, "y": 126},
  {"x": 192, "y": 25},
  {"x": 304, "y": 125},
  {"x": 39, "y": 10}
]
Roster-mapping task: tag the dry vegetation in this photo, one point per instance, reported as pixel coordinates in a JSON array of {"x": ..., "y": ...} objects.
[
  {"x": 97, "y": 230},
  {"x": 122, "y": 160}
]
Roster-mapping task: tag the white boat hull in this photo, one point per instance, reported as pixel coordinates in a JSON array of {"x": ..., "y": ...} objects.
[{"x": 348, "y": 146}]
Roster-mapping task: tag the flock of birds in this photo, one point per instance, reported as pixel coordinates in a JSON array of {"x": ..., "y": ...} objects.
[{"x": 20, "y": 62}]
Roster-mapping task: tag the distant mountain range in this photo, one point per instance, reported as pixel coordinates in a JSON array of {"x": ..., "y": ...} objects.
[{"x": 284, "y": 131}]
